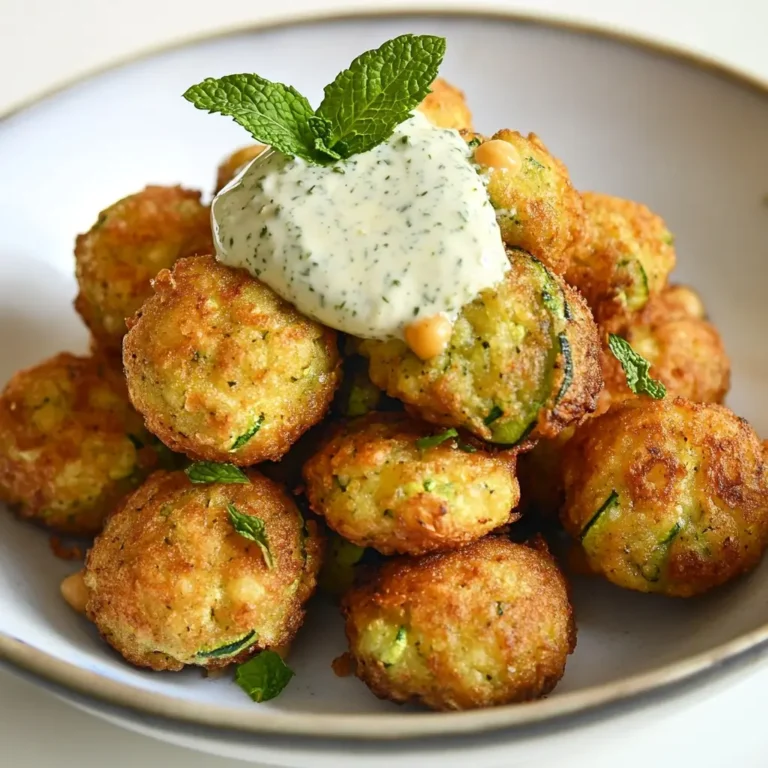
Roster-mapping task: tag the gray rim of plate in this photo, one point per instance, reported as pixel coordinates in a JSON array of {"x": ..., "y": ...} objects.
[{"x": 563, "y": 712}]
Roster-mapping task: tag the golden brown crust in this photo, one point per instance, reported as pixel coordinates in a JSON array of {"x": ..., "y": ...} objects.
[
  {"x": 675, "y": 302},
  {"x": 215, "y": 355},
  {"x": 482, "y": 626},
  {"x": 129, "y": 244},
  {"x": 569, "y": 406},
  {"x": 377, "y": 488},
  {"x": 234, "y": 163},
  {"x": 624, "y": 260},
  {"x": 684, "y": 494},
  {"x": 537, "y": 208},
  {"x": 170, "y": 579},
  {"x": 504, "y": 376},
  {"x": 71, "y": 445},
  {"x": 446, "y": 107}
]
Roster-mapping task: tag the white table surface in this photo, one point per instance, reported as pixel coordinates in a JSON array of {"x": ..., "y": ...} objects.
[{"x": 44, "y": 43}]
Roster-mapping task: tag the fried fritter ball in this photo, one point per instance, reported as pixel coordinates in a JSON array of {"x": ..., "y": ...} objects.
[
  {"x": 675, "y": 302},
  {"x": 71, "y": 445},
  {"x": 625, "y": 261},
  {"x": 234, "y": 163},
  {"x": 687, "y": 355},
  {"x": 391, "y": 483},
  {"x": 446, "y": 107},
  {"x": 686, "y": 352},
  {"x": 223, "y": 369},
  {"x": 667, "y": 496},
  {"x": 172, "y": 580},
  {"x": 522, "y": 361},
  {"x": 129, "y": 244},
  {"x": 537, "y": 208},
  {"x": 486, "y": 625}
]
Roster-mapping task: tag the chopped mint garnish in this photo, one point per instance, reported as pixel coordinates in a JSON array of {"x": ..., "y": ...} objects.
[
  {"x": 430, "y": 442},
  {"x": 212, "y": 472},
  {"x": 251, "y": 527},
  {"x": 264, "y": 676},
  {"x": 636, "y": 369}
]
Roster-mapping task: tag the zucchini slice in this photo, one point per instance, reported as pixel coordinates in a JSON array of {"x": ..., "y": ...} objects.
[
  {"x": 609, "y": 503},
  {"x": 395, "y": 651},
  {"x": 565, "y": 349},
  {"x": 635, "y": 295},
  {"x": 651, "y": 570},
  {"x": 231, "y": 649},
  {"x": 553, "y": 298}
]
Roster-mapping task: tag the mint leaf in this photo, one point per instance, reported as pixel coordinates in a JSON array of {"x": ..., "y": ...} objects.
[
  {"x": 430, "y": 442},
  {"x": 252, "y": 528},
  {"x": 212, "y": 472},
  {"x": 264, "y": 676},
  {"x": 272, "y": 113},
  {"x": 366, "y": 102},
  {"x": 636, "y": 369}
]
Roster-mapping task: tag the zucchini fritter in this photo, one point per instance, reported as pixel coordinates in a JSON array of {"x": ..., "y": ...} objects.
[
  {"x": 128, "y": 245},
  {"x": 522, "y": 361},
  {"x": 232, "y": 165},
  {"x": 625, "y": 260},
  {"x": 171, "y": 582},
  {"x": 446, "y": 107},
  {"x": 687, "y": 356},
  {"x": 537, "y": 208},
  {"x": 667, "y": 496},
  {"x": 675, "y": 302},
  {"x": 486, "y": 625},
  {"x": 385, "y": 482},
  {"x": 223, "y": 369},
  {"x": 686, "y": 352},
  {"x": 71, "y": 445}
]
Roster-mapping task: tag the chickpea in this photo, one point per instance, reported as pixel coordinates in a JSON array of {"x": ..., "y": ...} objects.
[
  {"x": 500, "y": 155},
  {"x": 74, "y": 591},
  {"x": 429, "y": 336}
]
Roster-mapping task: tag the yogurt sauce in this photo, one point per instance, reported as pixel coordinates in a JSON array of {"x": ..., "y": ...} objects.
[{"x": 372, "y": 244}]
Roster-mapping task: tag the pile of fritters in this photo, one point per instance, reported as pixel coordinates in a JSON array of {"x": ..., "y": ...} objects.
[{"x": 412, "y": 474}]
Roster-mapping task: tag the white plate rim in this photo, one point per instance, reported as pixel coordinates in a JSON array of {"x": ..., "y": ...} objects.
[{"x": 559, "y": 712}]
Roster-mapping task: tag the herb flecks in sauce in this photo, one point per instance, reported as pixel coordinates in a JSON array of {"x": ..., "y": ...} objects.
[{"x": 405, "y": 231}]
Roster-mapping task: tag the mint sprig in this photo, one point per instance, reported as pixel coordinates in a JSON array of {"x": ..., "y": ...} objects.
[
  {"x": 361, "y": 107},
  {"x": 636, "y": 369},
  {"x": 206, "y": 472}
]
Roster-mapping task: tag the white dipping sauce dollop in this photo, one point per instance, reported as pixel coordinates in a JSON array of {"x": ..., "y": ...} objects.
[{"x": 370, "y": 244}]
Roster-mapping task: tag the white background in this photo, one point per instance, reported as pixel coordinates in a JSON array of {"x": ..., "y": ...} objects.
[{"x": 44, "y": 43}]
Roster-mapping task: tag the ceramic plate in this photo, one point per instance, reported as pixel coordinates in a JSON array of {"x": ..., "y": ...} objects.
[{"x": 628, "y": 120}]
